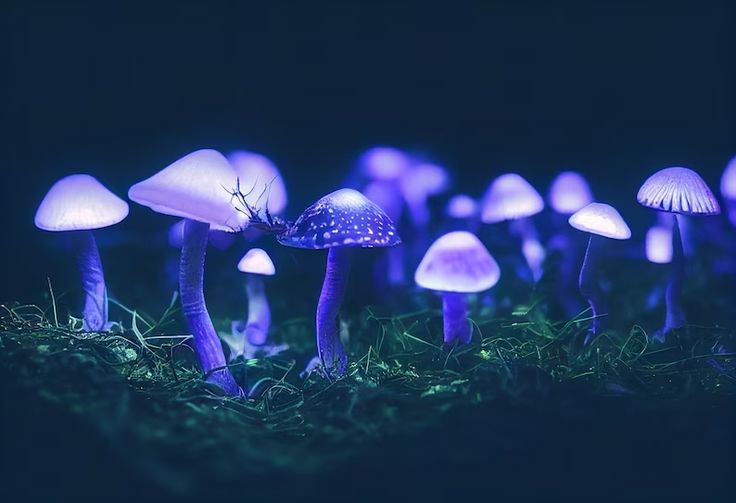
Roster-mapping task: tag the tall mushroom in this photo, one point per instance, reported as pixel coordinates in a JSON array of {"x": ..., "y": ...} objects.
[
  {"x": 597, "y": 219},
  {"x": 79, "y": 204},
  {"x": 196, "y": 187},
  {"x": 511, "y": 197},
  {"x": 456, "y": 265},
  {"x": 677, "y": 191},
  {"x": 338, "y": 222}
]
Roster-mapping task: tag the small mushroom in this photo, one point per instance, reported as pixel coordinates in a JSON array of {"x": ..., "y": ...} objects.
[
  {"x": 569, "y": 192},
  {"x": 463, "y": 212},
  {"x": 456, "y": 265},
  {"x": 197, "y": 187},
  {"x": 677, "y": 191},
  {"x": 78, "y": 204},
  {"x": 511, "y": 197},
  {"x": 597, "y": 219},
  {"x": 728, "y": 189},
  {"x": 256, "y": 264},
  {"x": 338, "y": 222}
]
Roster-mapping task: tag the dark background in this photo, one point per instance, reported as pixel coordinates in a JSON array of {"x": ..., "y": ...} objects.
[{"x": 615, "y": 90}]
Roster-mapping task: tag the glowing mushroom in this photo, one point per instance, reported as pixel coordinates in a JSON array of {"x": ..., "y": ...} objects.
[
  {"x": 569, "y": 193},
  {"x": 463, "y": 211},
  {"x": 511, "y": 197},
  {"x": 456, "y": 265},
  {"x": 197, "y": 187},
  {"x": 597, "y": 219},
  {"x": 338, "y": 222},
  {"x": 256, "y": 264},
  {"x": 420, "y": 183},
  {"x": 78, "y": 204},
  {"x": 677, "y": 191},
  {"x": 728, "y": 189}
]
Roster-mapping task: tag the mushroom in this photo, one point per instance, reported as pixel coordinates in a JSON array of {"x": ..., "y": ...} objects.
[
  {"x": 511, "y": 197},
  {"x": 569, "y": 192},
  {"x": 79, "y": 204},
  {"x": 338, "y": 222},
  {"x": 196, "y": 187},
  {"x": 220, "y": 240},
  {"x": 463, "y": 212},
  {"x": 256, "y": 263},
  {"x": 597, "y": 219},
  {"x": 455, "y": 265},
  {"x": 418, "y": 184},
  {"x": 728, "y": 189},
  {"x": 677, "y": 191}
]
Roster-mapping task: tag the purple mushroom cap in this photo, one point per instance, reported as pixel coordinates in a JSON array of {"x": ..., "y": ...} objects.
[
  {"x": 260, "y": 180},
  {"x": 462, "y": 206},
  {"x": 728, "y": 181},
  {"x": 569, "y": 192},
  {"x": 601, "y": 219},
  {"x": 342, "y": 218},
  {"x": 678, "y": 190},
  {"x": 510, "y": 197},
  {"x": 384, "y": 163},
  {"x": 457, "y": 262},
  {"x": 658, "y": 244}
]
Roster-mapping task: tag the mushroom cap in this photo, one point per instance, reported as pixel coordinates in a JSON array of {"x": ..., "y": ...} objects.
[
  {"x": 342, "y": 218},
  {"x": 728, "y": 181},
  {"x": 257, "y": 261},
  {"x": 424, "y": 180},
  {"x": 569, "y": 192},
  {"x": 658, "y": 244},
  {"x": 260, "y": 179},
  {"x": 384, "y": 163},
  {"x": 457, "y": 262},
  {"x": 196, "y": 187},
  {"x": 462, "y": 206},
  {"x": 678, "y": 190},
  {"x": 601, "y": 219},
  {"x": 79, "y": 203},
  {"x": 510, "y": 197}
]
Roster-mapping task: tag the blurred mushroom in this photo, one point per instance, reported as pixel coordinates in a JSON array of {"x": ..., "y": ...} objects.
[
  {"x": 463, "y": 212},
  {"x": 255, "y": 264},
  {"x": 728, "y": 189},
  {"x": 79, "y": 204}
]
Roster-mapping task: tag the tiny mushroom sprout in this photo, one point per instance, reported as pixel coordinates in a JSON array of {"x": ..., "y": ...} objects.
[
  {"x": 728, "y": 189},
  {"x": 677, "y": 191},
  {"x": 338, "y": 222},
  {"x": 569, "y": 192},
  {"x": 455, "y": 265},
  {"x": 511, "y": 197},
  {"x": 597, "y": 219},
  {"x": 198, "y": 188},
  {"x": 79, "y": 204},
  {"x": 255, "y": 264}
]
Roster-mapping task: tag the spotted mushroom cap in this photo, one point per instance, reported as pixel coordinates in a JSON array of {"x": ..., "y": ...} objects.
[
  {"x": 569, "y": 192},
  {"x": 79, "y": 202},
  {"x": 678, "y": 190},
  {"x": 342, "y": 218},
  {"x": 457, "y": 262},
  {"x": 601, "y": 219},
  {"x": 510, "y": 197},
  {"x": 728, "y": 181},
  {"x": 257, "y": 261}
]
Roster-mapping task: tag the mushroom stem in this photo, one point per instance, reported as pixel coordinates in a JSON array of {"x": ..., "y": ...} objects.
[
  {"x": 590, "y": 290},
  {"x": 191, "y": 279},
  {"x": 395, "y": 258},
  {"x": 531, "y": 248},
  {"x": 675, "y": 317},
  {"x": 93, "y": 281},
  {"x": 331, "y": 352},
  {"x": 259, "y": 314},
  {"x": 455, "y": 315}
]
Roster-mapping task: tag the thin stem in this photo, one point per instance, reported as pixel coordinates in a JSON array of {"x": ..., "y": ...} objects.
[
  {"x": 259, "y": 313},
  {"x": 93, "y": 281},
  {"x": 331, "y": 352},
  {"x": 191, "y": 280},
  {"x": 531, "y": 248},
  {"x": 455, "y": 316},
  {"x": 589, "y": 288},
  {"x": 675, "y": 317}
]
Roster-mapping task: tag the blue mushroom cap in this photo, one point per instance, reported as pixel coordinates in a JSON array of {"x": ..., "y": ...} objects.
[{"x": 342, "y": 218}]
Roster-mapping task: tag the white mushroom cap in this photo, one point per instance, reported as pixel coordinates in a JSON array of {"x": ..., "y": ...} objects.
[
  {"x": 197, "y": 187},
  {"x": 260, "y": 179},
  {"x": 601, "y": 219},
  {"x": 659, "y": 244},
  {"x": 79, "y": 202},
  {"x": 569, "y": 192},
  {"x": 457, "y": 262},
  {"x": 678, "y": 190},
  {"x": 510, "y": 197},
  {"x": 257, "y": 261}
]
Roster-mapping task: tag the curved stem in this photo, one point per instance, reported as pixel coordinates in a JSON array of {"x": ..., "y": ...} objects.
[
  {"x": 191, "y": 279},
  {"x": 590, "y": 289},
  {"x": 259, "y": 314},
  {"x": 331, "y": 352},
  {"x": 93, "y": 281},
  {"x": 675, "y": 317},
  {"x": 455, "y": 317}
]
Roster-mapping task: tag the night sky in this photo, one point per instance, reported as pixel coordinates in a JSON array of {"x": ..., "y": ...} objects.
[{"x": 616, "y": 90}]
